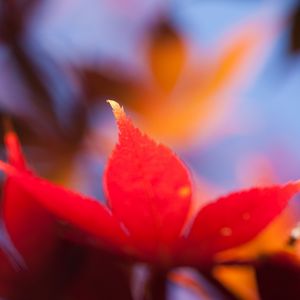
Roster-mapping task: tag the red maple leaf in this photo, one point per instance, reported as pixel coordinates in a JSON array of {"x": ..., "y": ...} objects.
[
  {"x": 35, "y": 260},
  {"x": 31, "y": 237},
  {"x": 149, "y": 196}
]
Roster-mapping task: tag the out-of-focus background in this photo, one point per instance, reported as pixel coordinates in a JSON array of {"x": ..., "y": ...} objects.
[{"x": 217, "y": 81}]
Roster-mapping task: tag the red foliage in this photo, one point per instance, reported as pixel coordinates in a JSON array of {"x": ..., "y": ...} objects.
[
  {"x": 149, "y": 193},
  {"x": 235, "y": 219},
  {"x": 148, "y": 188}
]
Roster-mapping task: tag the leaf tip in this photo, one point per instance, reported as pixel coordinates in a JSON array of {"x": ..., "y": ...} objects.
[
  {"x": 118, "y": 110},
  {"x": 12, "y": 143}
]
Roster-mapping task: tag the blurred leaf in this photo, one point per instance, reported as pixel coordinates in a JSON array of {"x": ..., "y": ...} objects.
[
  {"x": 240, "y": 280},
  {"x": 202, "y": 95},
  {"x": 166, "y": 55},
  {"x": 185, "y": 94}
]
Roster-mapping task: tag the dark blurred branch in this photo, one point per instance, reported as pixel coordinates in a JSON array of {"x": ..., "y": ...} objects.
[
  {"x": 15, "y": 17},
  {"x": 13, "y": 26},
  {"x": 295, "y": 31},
  {"x": 156, "y": 287}
]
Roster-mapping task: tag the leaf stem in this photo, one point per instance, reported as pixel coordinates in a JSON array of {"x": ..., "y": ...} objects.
[{"x": 156, "y": 287}]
